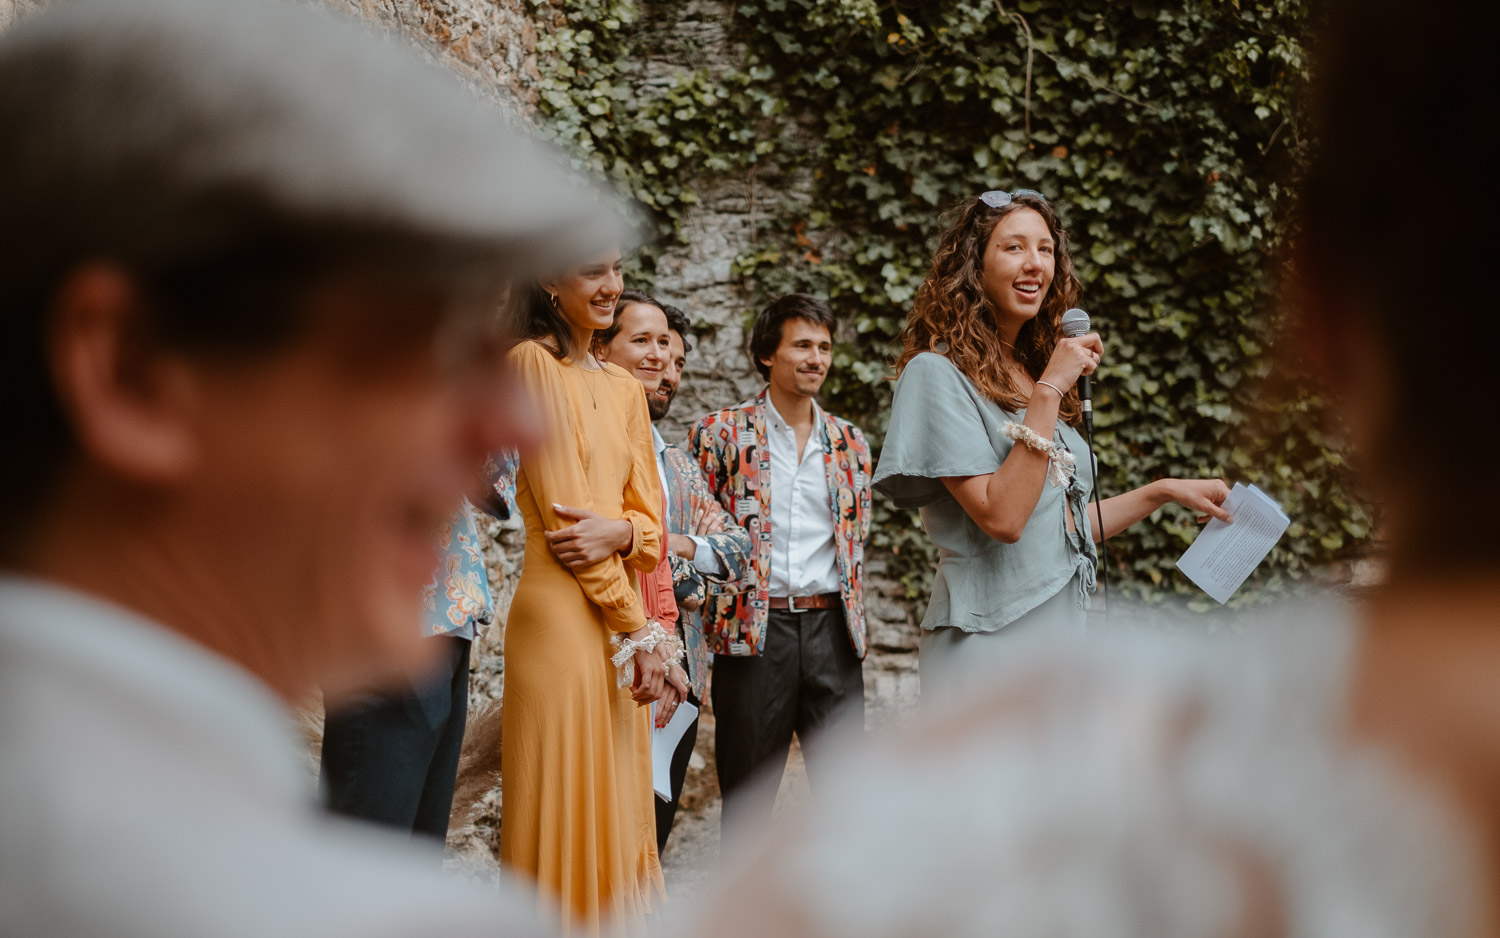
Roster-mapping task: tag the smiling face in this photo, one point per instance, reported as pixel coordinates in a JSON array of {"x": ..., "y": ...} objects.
[
  {"x": 801, "y": 361},
  {"x": 586, "y": 294},
  {"x": 640, "y": 345},
  {"x": 660, "y": 400},
  {"x": 1019, "y": 261}
]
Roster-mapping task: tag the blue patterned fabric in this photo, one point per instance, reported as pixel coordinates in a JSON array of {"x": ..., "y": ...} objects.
[
  {"x": 501, "y": 471},
  {"x": 457, "y": 602}
]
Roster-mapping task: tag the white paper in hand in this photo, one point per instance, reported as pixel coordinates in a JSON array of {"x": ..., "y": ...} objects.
[
  {"x": 664, "y": 742},
  {"x": 1224, "y": 555}
]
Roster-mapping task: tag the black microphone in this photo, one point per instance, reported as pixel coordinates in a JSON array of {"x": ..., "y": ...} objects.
[{"x": 1075, "y": 323}]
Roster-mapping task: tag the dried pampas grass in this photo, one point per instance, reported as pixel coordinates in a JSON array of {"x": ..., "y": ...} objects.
[{"x": 478, "y": 763}]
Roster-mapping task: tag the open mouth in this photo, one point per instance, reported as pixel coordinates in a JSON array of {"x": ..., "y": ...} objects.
[
  {"x": 604, "y": 307},
  {"x": 1029, "y": 290}
]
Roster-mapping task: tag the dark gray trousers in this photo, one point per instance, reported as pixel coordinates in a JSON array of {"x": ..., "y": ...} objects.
[
  {"x": 393, "y": 759},
  {"x": 807, "y": 681}
]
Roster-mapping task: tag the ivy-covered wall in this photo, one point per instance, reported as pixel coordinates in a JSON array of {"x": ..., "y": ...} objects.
[{"x": 1167, "y": 135}]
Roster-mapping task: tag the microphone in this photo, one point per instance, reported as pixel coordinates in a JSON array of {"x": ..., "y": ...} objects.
[{"x": 1075, "y": 323}]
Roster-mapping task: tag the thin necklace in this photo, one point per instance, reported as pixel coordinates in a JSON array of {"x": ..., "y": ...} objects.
[{"x": 588, "y": 381}]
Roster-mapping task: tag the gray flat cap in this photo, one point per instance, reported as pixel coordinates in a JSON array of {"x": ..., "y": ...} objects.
[{"x": 150, "y": 128}]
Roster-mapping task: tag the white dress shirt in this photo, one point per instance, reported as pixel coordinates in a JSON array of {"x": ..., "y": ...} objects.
[
  {"x": 704, "y": 559},
  {"x": 804, "y": 558},
  {"x": 152, "y": 788}
]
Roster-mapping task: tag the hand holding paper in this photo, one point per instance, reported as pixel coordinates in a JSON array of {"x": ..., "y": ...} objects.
[{"x": 1224, "y": 555}]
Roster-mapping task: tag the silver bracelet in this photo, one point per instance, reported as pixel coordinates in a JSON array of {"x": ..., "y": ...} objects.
[{"x": 1052, "y": 386}]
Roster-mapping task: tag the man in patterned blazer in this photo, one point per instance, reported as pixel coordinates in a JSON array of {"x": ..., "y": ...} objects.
[
  {"x": 789, "y": 638},
  {"x": 706, "y": 547}
]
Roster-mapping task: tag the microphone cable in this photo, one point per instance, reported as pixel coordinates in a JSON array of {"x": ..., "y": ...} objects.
[{"x": 1088, "y": 430}]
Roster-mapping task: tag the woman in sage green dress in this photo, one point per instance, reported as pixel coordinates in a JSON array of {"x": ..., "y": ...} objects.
[{"x": 982, "y": 440}]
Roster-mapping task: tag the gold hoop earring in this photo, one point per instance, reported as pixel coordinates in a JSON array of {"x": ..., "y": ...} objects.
[{"x": 552, "y": 297}]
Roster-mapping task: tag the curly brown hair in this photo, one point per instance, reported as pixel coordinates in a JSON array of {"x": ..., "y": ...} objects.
[{"x": 953, "y": 317}]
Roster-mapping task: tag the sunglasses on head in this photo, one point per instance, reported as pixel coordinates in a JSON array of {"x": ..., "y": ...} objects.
[{"x": 999, "y": 198}]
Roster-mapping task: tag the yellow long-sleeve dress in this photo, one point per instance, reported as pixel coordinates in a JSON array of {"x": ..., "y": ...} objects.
[{"x": 577, "y": 812}]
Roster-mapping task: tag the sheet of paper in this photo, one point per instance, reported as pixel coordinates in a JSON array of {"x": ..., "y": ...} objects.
[
  {"x": 664, "y": 742},
  {"x": 1269, "y": 501},
  {"x": 1224, "y": 555}
]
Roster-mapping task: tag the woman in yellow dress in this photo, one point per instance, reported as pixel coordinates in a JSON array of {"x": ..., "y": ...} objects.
[{"x": 577, "y": 814}]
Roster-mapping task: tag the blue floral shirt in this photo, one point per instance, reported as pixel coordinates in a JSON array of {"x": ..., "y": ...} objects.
[
  {"x": 502, "y": 470},
  {"x": 457, "y": 602}
]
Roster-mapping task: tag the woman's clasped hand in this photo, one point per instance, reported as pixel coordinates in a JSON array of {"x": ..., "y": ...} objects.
[
  {"x": 650, "y": 668},
  {"x": 590, "y": 539}
]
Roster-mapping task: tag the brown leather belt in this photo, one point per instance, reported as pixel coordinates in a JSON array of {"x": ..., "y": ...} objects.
[{"x": 801, "y": 603}]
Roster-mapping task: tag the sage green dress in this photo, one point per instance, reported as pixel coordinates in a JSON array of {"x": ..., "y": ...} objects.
[{"x": 942, "y": 426}]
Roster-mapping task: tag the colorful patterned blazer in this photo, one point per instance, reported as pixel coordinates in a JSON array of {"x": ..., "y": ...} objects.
[
  {"x": 688, "y": 491},
  {"x": 730, "y": 446}
]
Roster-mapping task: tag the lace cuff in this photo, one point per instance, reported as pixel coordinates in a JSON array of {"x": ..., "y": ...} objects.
[{"x": 626, "y": 647}]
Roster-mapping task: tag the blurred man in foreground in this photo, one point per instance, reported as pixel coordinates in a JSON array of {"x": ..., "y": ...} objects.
[{"x": 249, "y": 364}]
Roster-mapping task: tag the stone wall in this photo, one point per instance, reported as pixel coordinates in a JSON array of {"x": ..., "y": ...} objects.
[
  {"x": 491, "y": 43},
  {"x": 12, "y": 10}
]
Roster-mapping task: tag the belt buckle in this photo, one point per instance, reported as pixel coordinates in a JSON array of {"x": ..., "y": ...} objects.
[{"x": 791, "y": 605}]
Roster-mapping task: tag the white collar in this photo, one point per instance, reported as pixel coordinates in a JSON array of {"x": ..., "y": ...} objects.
[
  {"x": 661, "y": 444},
  {"x": 202, "y": 699},
  {"x": 779, "y": 422}
]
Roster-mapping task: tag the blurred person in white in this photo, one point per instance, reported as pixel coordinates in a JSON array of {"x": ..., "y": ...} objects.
[
  {"x": 249, "y": 357},
  {"x": 1336, "y": 772}
]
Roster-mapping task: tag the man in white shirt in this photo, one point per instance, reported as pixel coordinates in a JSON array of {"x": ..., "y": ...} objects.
[
  {"x": 790, "y": 638},
  {"x": 248, "y": 367}
]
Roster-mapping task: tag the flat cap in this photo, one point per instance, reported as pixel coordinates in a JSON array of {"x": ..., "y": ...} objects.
[{"x": 151, "y": 128}]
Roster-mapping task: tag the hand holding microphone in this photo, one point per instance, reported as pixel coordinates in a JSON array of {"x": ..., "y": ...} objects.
[{"x": 1076, "y": 357}]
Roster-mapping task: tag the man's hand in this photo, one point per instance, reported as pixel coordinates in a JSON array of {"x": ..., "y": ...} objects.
[
  {"x": 592, "y": 539},
  {"x": 682, "y": 545},
  {"x": 708, "y": 519}
]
